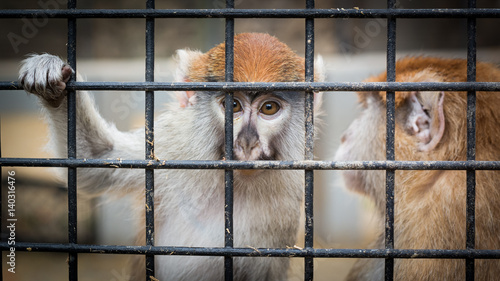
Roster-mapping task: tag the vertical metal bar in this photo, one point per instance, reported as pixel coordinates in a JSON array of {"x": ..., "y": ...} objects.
[
  {"x": 228, "y": 174},
  {"x": 390, "y": 155},
  {"x": 149, "y": 118},
  {"x": 309, "y": 77},
  {"x": 309, "y": 145},
  {"x": 1, "y": 206},
  {"x": 471, "y": 142},
  {"x": 71, "y": 138}
]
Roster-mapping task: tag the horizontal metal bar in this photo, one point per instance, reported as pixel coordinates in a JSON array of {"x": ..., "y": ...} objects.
[
  {"x": 256, "y": 252},
  {"x": 277, "y": 86},
  {"x": 253, "y": 13},
  {"x": 265, "y": 165}
]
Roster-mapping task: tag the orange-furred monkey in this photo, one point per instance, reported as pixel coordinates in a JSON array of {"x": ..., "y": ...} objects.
[{"x": 429, "y": 205}]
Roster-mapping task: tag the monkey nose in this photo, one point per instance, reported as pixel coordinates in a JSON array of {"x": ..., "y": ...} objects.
[
  {"x": 245, "y": 149},
  {"x": 344, "y": 137}
]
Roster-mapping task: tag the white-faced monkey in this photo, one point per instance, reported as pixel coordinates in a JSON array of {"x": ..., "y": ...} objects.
[{"x": 189, "y": 207}]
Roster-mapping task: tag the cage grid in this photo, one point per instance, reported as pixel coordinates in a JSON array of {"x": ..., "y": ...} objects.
[{"x": 309, "y": 253}]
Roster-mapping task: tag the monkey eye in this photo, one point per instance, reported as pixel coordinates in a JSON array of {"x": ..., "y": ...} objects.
[
  {"x": 426, "y": 111},
  {"x": 236, "y": 105},
  {"x": 270, "y": 108}
]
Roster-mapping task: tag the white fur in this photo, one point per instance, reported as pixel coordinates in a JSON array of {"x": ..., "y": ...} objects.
[
  {"x": 189, "y": 205},
  {"x": 184, "y": 59},
  {"x": 364, "y": 130},
  {"x": 319, "y": 69}
]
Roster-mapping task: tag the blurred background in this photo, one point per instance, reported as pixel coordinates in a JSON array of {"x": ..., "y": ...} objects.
[{"x": 113, "y": 50}]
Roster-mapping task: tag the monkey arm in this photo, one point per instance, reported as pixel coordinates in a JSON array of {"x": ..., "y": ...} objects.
[
  {"x": 45, "y": 76},
  {"x": 97, "y": 139}
]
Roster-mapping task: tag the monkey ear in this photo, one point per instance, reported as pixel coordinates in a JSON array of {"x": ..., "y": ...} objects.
[
  {"x": 319, "y": 76},
  {"x": 426, "y": 118},
  {"x": 184, "y": 59},
  {"x": 319, "y": 69}
]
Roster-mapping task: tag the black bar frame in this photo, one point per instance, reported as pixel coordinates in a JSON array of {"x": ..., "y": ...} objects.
[
  {"x": 72, "y": 191},
  {"x": 255, "y": 13},
  {"x": 279, "y": 86},
  {"x": 149, "y": 131},
  {"x": 390, "y": 129},
  {"x": 228, "y": 149},
  {"x": 471, "y": 144},
  {"x": 309, "y": 145},
  {"x": 391, "y": 14}
]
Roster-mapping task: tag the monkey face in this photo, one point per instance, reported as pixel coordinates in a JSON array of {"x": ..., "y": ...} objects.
[
  {"x": 266, "y": 125},
  {"x": 419, "y": 128},
  {"x": 259, "y": 119},
  {"x": 364, "y": 140}
]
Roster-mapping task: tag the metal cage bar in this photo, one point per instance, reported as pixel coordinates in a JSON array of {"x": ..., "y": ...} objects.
[
  {"x": 255, "y": 13},
  {"x": 228, "y": 252},
  {"x": 309, "y": 145},
  {"x": 1, "y": 197},
  {"x": 235, "y": 165},
  {"x": 278, "y": 86},
  {"x": 260, "y": 252},
  {"x": 149, "y": 137},
  {"x": 71, "y": 130},
  {"x": 228, "y": 150},
  {"x": 471, "y": 143},
  {"x": 390, "y": 156}
]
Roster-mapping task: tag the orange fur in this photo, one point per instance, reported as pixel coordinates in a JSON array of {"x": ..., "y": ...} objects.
[
  {"x": 258, "y": 57},
  {"x": 448, "y": 70},
  {"x": 430, "y": 205}
]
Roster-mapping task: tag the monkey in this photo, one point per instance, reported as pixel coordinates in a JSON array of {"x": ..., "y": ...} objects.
[
  {"x": 189, "y": 204},
  {"x": 430, "y": 205}
]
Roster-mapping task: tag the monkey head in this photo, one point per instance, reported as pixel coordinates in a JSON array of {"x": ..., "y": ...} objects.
[
  {"x": 425, "y": 124},
  {"x": 267, "y": 125}
]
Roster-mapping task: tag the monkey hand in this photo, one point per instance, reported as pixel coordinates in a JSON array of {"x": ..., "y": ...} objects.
[{"x": 45, "y": 76}]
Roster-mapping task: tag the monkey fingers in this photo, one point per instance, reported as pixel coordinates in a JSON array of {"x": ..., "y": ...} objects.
[{"x": 45, "y": 76}]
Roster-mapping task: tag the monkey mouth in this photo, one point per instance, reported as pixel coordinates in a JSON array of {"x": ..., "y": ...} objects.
[
  {"x": 354, "y": 181},
  {"x": 247, "y": 173},
  {"x": 253, "y": 172},
  {"x": 261, "y": 157},
  {"x": 250, "y": 172}
]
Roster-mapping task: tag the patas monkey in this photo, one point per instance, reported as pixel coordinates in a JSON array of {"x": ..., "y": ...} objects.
[
  {"x": 190, "y": 203},
  {"x": 429, "y": 205}
]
